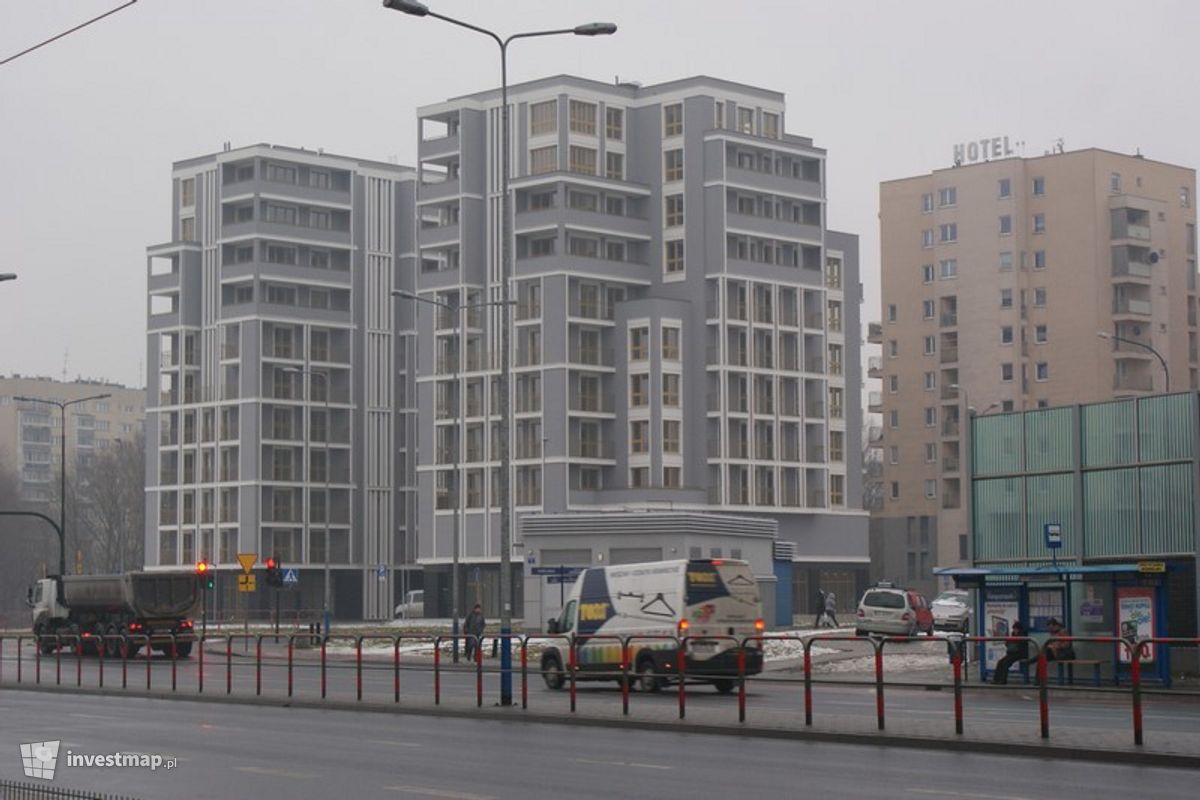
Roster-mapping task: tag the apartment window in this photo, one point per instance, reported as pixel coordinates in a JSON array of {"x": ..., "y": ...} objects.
[
  {"x": 931, "y": 453},
  {"x": 1185, "y": 197},
  {"x": 672, "y": 477},
  {"x": 639, "y": 390},
  {"x": 930, "y": 345},
  {"x": 927, "y": 237},
  {"x": 673, "y": 165},
  {"x": 1006, "y": 298},
  {"x": 1043, "y": 371},
  {"x": 639, "y": 436},
  {"x": 277, "y": 254},
  {"x": 1114, "y": 182},
  {"x": 930, "y": 416},
  {"x": 1006, "y": 334},
  {"x": 541, "y": 247},
  {"x": 187, "y": 192},
  {"x": 894, "y": 418},
  {"x": 583, "y": 201},
  {"x": 895, "y": 490},
  {"x": 670, "y": 343},
  {"x": 1006, "y": 406},
  {"x": 187, "y": 229},
  {"x": 673, "y": 119},
  {"x": 948, "y": 231},
  {"x": 893, "y": 348},
  {"x": 1039, "y": 259},
  {"x": 670, "y": 440},
  {"x": 949, "y": 268},
  {"x": 927, "y": 273},
  {"x": 639, "y": 477},
  {"x": 543, "y": 117},
  {"x": 927, "y": 202},
  {"x": 614, "y": 123},
  {"x": 1041, "y": 334},
  {"x": 745, "y": 120},
  {"x": 891, "y": 312},
  {"x": 674, "y": 257},
  {"x": 1006, "y": 372},
  {"x": 280, "y": 173},
  {"x": 930, "y": 381},
  {"x": 614, "y": 206},
  {"x": 1006, "y": 262},
  {"x": 319, "y": 219},
  {"x": 670, "y": 390},
  {"x": 928, "y": 308},
  {"x": 583, "y": 246},
  {"x": 1039, "y": 186},
  {"x": 1006, "y": 225},
  {"x": 770, "y": 125},
  {"x": 318, "y": 259},
  {"x": 582, "y": 117},
  {"x": 582, "y": 160},
  {"x": 282, "y": 214},
  {"x": 894, "y": 454},
  {"x": 930, "y": 488},
  {"x": 674, "y": 215},
  {"x": 1039, "y": 223},
  {"x": 639, "y": 344},
  {"x": 947, "y": 196},
  {"x": 893, "y": 383},
  {"x": 614, "y": 166},
  {"x": 543, "y": 159},
  {"x": 1039, "y": 296},
  {"x": 1005, "y": 187},
  {"x": 318, "y": 179}
]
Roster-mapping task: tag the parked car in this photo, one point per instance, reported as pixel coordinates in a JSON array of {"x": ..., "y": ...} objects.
[
  {"x": 890, "y": 610},
  {"x": 952, "y": 611},
  {"x": 413, "y": 605}
]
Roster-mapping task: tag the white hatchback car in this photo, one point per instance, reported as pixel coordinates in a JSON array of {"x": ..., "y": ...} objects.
[
  {"x": 886, "y": 609},
  {"x": 952, "y": 611}
]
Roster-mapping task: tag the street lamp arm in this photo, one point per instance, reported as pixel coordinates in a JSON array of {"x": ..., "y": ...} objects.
[
  {"x": 1144, "y": 346},
  {"x": 62, "y": 539}
]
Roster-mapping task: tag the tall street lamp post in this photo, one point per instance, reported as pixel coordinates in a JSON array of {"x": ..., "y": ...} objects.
[
  {"x": 7, "y": 276},
  {"x": 418, "y": 9},
  {"x": 328, "y": 501},
  {"x": 62, "y": 457},
  {"x": 1158, "y": 355},
  {"x": 456, "y": 313}
]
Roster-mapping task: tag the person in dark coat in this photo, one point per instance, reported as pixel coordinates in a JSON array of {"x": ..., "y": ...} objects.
[
  {"x": 473, "y": 627},
  {"x": 1016, "y": 648},
  {"x": 820, "y": 607}
]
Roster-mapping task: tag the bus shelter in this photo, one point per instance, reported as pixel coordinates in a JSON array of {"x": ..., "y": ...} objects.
[{"x": 1125, "y": 600}]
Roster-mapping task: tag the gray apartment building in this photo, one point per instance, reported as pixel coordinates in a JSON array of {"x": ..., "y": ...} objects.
[
  {"x": 686, "y": 328},
  {"x": 278, "y": 415}
]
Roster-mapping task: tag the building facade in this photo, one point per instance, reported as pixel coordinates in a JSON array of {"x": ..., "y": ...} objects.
[
  {"x": 279, "y": 413},
  {"x": 685, "y": 331},
  {"x": 997, "y": 278}
]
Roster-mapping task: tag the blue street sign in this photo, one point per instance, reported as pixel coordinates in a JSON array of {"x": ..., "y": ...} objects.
[
  {"x": 381, "y": 571},
  {"x": 561, "y": 579},
  {"x": 1053, "y": 533},
  {"x": 290, "y": 577},
  {"x": 572, "y": 572}
]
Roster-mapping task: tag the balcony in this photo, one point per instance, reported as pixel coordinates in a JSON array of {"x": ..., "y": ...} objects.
[
  {"x": 949, "y": 319},
  {"x": 815, "y": 453},
  {"x": 950, "y": 428},
  {"x": 1133, "y": 383},
  {"x": 949, "y": 355},
  {"x": 1128, "y": 305},
  {"x": 591, "y": 356},
  {"x": 591, "y": 404},
  {"x": 949, "y": 392},
  {"x": 874, "y": 402},
  {"x": 875, "y": 333},
  {"x": 588, "y": 448},
  {"x": 875, "y": 367},
  {"x": 950, "y": 464}
]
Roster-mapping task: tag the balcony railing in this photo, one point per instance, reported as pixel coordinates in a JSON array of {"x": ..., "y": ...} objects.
[
  {"x": 949, "y": 319},
  {"x": 949, "y": 354},
  {"x": 591, "y": 449},
  {"x": 875, "y": 332},
  {"x": 1128, "y": 305}
]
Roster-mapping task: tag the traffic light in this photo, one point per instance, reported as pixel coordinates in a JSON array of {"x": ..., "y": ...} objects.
[
  {"x": 204, "y": 572},
  {"x": 274, "y": 572}
]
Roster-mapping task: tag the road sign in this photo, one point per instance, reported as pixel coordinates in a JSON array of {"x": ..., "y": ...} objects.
[
  {"x": 247, "y": 561},
  {"x": 531, "y": 560},
  {"x": 290, "y": 577},
  {"x": 381, "y": 572},
  {"x": 572, "y": 572},
  {"x": 1053, "y": 532},
  {"x": 561, "y": 579},
  {"x": 247, "y": 583},
  {"x": 1152, "y": 566}
]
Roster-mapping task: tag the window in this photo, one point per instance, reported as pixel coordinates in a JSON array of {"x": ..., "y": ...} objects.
[
  {"x": 1041, "y": 334},
  {"x": 948, "y": 231},
  {"x": 187, "y": 192},
  {"x": 1006, "y": 298},
  {"x": 639, "y": 390},
  {"x": 187, "y": 229},
  {"x": 1006, "y": 225},
  {"x": 927, "y": 237},
  {"x": 674, "y": 215},
  {"x": 1006, "y": 372},
  {"x": 930, "y": 345},
  {"x": 931, "y": 454},
  {"x": 543, "y": 159},
  {"x": 930, "y": 416},
  {"x": 639, "y": 477},
  {"x": 639, "y": 344},
  {"x": 614, "y": 205},
  {"x": 282, "y": 214},
  {"x": 672, "y": 477},
  {"x": 894, "y": 418},
  {"x": 931, "y": 488},
  {"x": 1005, "y": 187},
  {"x": 1043, "y": 371},
  {"x": 541, "y": 247},
  {"x": 277, "y": 254},
  {"x": 614, "y": 123},
  {"x": 1185, "y": 197},
  {"x": 927, "y": 202},
  {"x": 674, "y": 257},
  {"x": 670, "y": 390},
  {"x": 1006, "y": 334},
  {"x": 1114, "y": 182},
  {"x": 583, "y": 246},
  {"x": 891, "y": 312},
  {"x": 319, "y": 219},
  {"x": 930, "y": 381},
  {"x": 670, "y": 441},
  {"x": 720, "y": 115},
  {"x": 895, "y": 490},
  {"x": 1039, "y": 259},
  {"x": 745, "y": 120},
  {"x": 1006, "y": 406},
  {"x": 583, "y": 201},
  {"x": 893, "y": 383},
  {"x": 582, "y": 117},
  {"x": 770, "y": 125},
  {"x": 318, "y": 259},
  {"x": 670, "y": 344},
  {"x": 280, "y": 173},
  {"x": 949, "y": 268},
  {"x": 582, "y": 160},
  {"x": 894, "y": 454},
  {"x": 1006, "y": 262},
  {"x": 673, "y": 119},
  {"x": 1039, "y": 223},
  {"x": 673, "y": 165},
  {"x": 639, "y": 436},
  {"x": 318, "y": 179},
  {"x": 928, "y": 308},
  {"x": 947, "y": 196},
  {"x": 543, "y": 117},
  {"x": 614, "y": 166},
  {"x": 1039, "y": 186},
  {"x": 927, "y": 273},
  {"x": 1039, "y": 296},
  {"x": 893, "y": 348}
]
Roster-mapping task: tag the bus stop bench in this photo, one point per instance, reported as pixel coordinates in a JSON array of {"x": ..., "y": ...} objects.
[{"x": 1070, "y": 665}]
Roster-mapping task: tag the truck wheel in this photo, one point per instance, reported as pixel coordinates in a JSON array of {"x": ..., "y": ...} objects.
[
  {"x": 182, "y": 649},
  {"x": 647, "y": 681},
  {"x": 45, "y": 641},
  {"x": 552, "y": 673},
  {"x": 724, "y": 685}
]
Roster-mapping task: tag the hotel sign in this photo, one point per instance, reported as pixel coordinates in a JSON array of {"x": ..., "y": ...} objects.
[{"x": 982, "y": 150}]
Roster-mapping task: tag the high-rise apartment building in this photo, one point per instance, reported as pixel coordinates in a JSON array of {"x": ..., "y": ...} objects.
[
  {"x": 278, "y": 419},
  {"x": 999, "y": 278},
  {"x": 685, "y": 331}
]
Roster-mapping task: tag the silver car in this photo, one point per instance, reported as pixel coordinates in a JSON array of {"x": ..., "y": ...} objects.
[
  {"x": 889, "y": 610},
  {"x": 952, "y": 611}
]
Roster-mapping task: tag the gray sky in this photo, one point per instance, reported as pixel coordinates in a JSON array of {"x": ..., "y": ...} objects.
[{"x": 91, "y": 124}]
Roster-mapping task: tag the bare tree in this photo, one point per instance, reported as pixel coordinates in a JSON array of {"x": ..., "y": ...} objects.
[
  {"x": 29, "y": 547},
  {"x": 110, "y": 499}
]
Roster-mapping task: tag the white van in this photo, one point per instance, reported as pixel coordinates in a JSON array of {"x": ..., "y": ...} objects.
[{"x": 665, "y": 599}]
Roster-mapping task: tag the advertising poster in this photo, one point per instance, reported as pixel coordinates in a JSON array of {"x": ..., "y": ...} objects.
[
  {"x": 1135, "y": 619},
  {"x": 1001, "y": 609}
]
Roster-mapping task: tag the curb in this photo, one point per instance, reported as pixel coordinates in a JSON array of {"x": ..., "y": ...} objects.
[{"x": 962, "y": 745}]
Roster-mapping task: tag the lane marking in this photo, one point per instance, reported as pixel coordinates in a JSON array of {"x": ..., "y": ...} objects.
[
  {"x": 428, "y": 791},
  {"x": 623, "y": 764},
  {"x": 960, "y": 793},
  {"x": 394, "y": 742},
  {"x": 93, "y": 716},
  {"x": 281, "y": 773}
]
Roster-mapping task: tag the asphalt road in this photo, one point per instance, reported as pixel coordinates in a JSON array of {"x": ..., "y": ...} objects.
[{"x": 241, "y": 751}]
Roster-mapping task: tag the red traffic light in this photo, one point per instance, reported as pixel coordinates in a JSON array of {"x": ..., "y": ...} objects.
[
  {"x": 271, "y": 563},
  {"x": 201, "y": 567}
]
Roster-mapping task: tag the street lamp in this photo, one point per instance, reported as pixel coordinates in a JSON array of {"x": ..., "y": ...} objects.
[
  {"x": 457, "y": 314},
  {"x": 418, "y": 9},
  {"x": 1158, "y": 355},
  {"x": 7, "y": 276},
  {"x": 328, "y": 500},
  {"x": 62, "y": 458}
]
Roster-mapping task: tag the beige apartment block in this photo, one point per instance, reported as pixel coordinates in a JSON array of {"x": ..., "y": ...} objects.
[
  {"x": 997, "y": 278},
  {"x": 31, "y": 433}
]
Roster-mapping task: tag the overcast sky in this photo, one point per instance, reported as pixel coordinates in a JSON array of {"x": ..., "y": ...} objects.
[{"x": 91, "y": 124}]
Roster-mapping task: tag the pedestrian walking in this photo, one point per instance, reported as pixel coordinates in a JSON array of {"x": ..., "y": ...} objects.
[
  {"x": 820, "y": 607},
  {"x": 830, "y": 608},
  {"x": 473, "y": 627}
]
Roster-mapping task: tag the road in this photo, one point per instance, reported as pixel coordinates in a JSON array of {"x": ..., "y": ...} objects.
[{"x": 248, "y": 751}]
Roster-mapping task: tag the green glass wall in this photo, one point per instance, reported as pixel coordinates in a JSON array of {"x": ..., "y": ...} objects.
[
  {"x": 1166, "y": 426},
  {"x": 1108, "y": 433},
  {"x": 1167, "y": 509},
  {"x": 997, "y": 444},
  {"x": 1110, "y": 511},
  {"x": 1048, "y": 440},
  {"x": 999, "y": 511}
]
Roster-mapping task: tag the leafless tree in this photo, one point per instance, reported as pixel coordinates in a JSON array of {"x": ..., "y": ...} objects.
[
  {"x": 110, "y": 499},
  {"x": 28, "y": 546}
]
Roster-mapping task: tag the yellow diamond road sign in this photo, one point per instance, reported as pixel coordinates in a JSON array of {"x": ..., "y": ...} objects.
[{"x": 247, "y": 561}]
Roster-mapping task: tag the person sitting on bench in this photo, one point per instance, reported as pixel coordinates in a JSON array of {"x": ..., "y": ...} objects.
[
  {"x": 1058, "y": 650},
  {"x": 1016, "y": 648}
]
